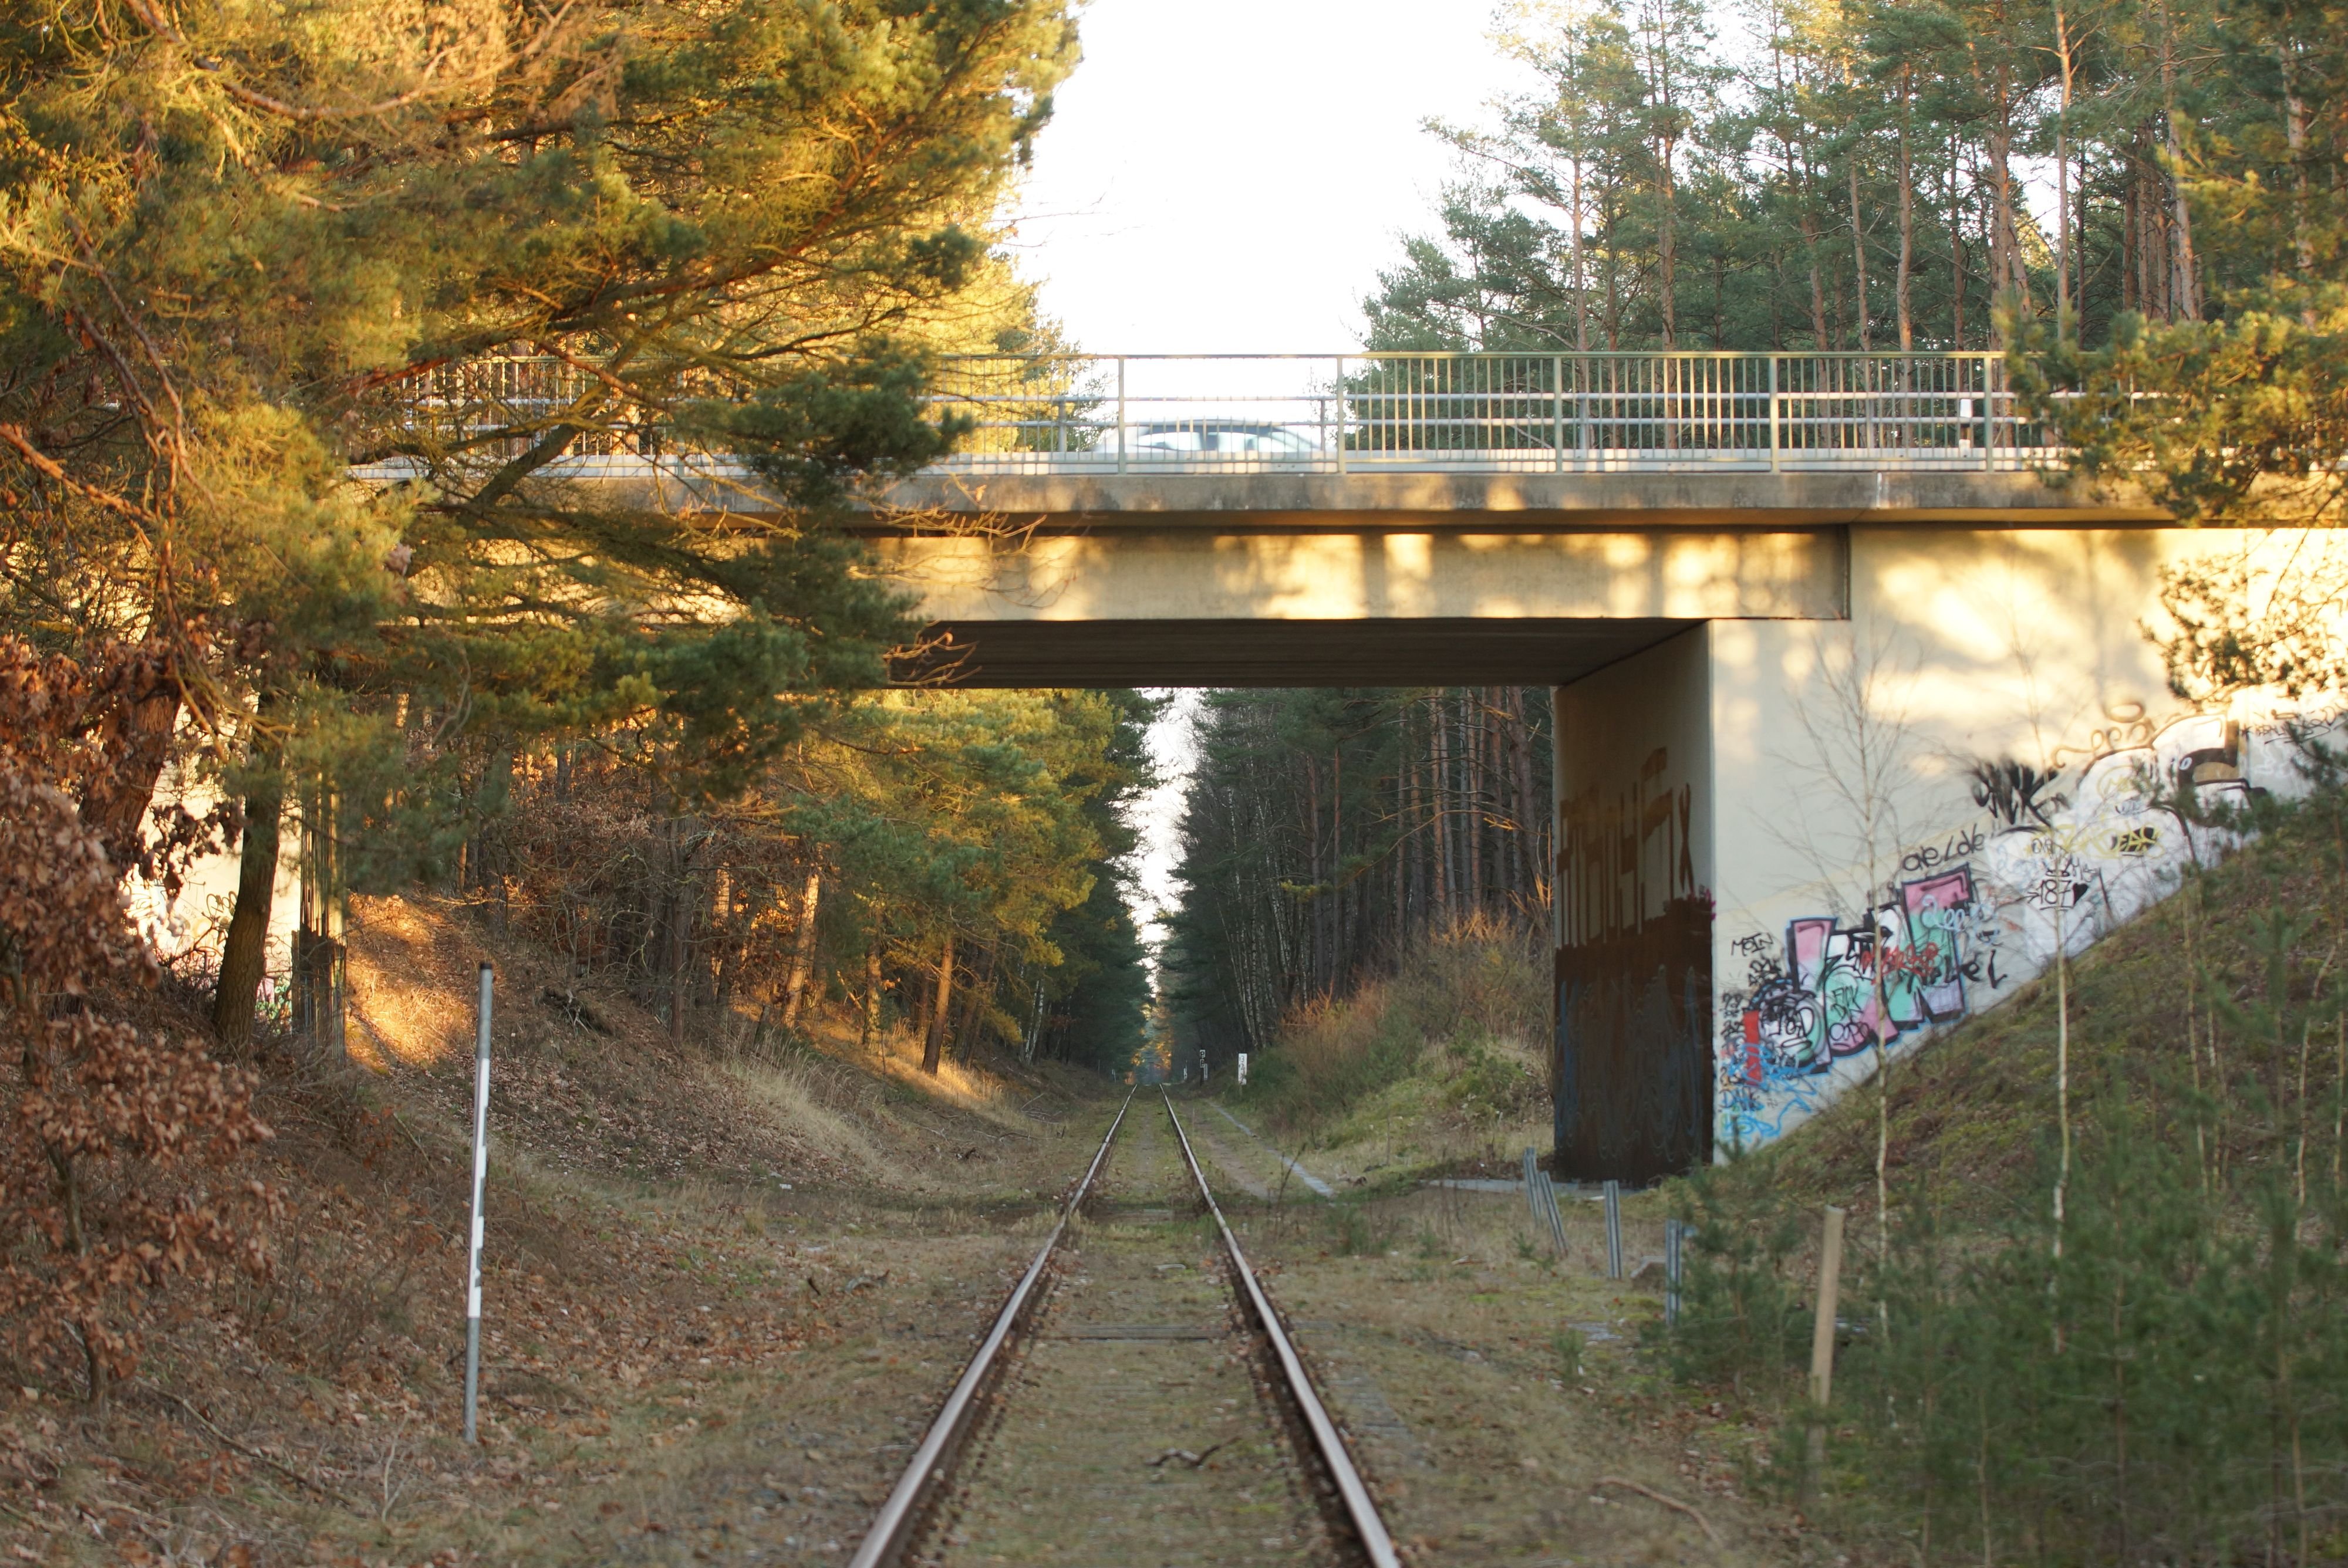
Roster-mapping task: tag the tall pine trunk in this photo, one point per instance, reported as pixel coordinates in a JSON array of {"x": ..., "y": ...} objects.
[
  {"x": 933, "y": 1046},
  {"x": 802, "y": 951},
  {"x": 1901, "y": 298},
  {"x": 1529, "y": 811},
  {"x": 2006, "y": 262},
  {"x": 1440, "y": 769},
  {"x": 2063, "y": 302},
  {"x": 1864, "y": 330},
  {"x": 245, "y": 952},
  {"x": 319, "y": 959},
  {"x": 872, "y": 1008},
  {"x": 1956, "y": 250},
  {"x": 974, "y": 1007},
  {"x": 2185, "y": 294}
]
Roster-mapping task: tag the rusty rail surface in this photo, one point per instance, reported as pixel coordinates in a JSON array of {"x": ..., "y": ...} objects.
[{"x": 901, "y": 1517}]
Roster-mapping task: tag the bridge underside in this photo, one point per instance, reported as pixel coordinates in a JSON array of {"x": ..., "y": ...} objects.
[{"x": 1461, "y": 651}]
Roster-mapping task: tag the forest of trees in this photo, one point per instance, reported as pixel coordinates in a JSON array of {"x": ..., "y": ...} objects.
[
  {"x": 1880, "y": 175},
  {"x": 956, "y": 862},
  {"x": 253, "y": 253},
  {"x": 1324, "y": 831},
  {"x": 301, "y": 311}
]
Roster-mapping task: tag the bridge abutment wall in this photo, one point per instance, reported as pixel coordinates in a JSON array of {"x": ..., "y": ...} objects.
[
  {"x": 1635, "y": 857},
  {"x": 1962, "y": 773}
]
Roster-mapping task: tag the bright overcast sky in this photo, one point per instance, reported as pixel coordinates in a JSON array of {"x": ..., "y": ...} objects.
[{"x": 1228, "y": 176}]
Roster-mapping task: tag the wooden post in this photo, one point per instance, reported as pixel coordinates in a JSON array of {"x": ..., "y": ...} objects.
[{"x": 1822, "y": 1348}]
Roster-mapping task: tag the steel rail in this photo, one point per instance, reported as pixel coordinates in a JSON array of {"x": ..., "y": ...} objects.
[
  {"x": 1360, "y": 1509},
  {"x": 894, "y": 1527}
]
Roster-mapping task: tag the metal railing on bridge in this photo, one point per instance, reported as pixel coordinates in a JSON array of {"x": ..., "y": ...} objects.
[
  {"x": 1485, "y": 413},
  {"x": 1379, "y": 413}
]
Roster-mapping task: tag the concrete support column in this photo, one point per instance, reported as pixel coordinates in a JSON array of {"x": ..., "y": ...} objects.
[{"x": 1632, "y": 1068}]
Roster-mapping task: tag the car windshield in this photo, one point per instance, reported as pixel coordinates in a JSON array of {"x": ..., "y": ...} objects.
[{"x": 1208, "y": 435}]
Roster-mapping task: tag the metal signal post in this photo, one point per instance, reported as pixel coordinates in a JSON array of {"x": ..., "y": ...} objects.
[{"x": 480, "y": 1179}]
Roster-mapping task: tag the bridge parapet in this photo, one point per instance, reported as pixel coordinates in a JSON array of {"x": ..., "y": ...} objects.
[
  {"x": 1089, "y": 414},
  {"x": 1284, "y": 442},
  {"x": 1485, "y": 413}
]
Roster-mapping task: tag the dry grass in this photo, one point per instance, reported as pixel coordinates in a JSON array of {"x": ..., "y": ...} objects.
[
  {"x": 674, "y": 1235},
  {"x": 816, "y": 1107},
  {"x": 411, "y": 996},
  {"x": 988, "y": 1092},
  {"x": 1444, "y": 1063},
  {"x": 1489, "y": 1384}
]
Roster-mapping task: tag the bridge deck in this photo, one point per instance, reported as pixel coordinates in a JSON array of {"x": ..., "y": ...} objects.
[{"x": 1255, "y": 501}]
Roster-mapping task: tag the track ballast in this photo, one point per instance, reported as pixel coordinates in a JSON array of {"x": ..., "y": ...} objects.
[{"x": 1138, "y": 1400}]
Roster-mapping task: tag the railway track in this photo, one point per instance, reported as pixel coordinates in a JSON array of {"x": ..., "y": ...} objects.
[{"x": 1135, "y": 1401}]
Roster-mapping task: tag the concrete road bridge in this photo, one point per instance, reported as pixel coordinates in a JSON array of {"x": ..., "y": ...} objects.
[
  {"x": 1280, "y": 520},
  {"x": 1843, "y": 679}
]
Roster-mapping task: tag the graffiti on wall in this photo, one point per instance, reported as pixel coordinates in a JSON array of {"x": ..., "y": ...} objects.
[
  {"x": 1827, "y": 990},
  {"x": 2060, "y": 856},
  {"x": 1622, "y": 855}
]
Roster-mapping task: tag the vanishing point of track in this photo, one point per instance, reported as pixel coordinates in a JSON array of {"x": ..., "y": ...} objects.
[{"x": 1135, "y": 1401}]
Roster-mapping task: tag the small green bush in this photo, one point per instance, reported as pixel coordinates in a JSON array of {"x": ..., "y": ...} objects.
[
  {"x": 1742, "y": 1318},
  {"x": 1476, "y": 993},
  {"x": 2161, "y": 1379},
  {"x": 1356, "y": 1232}
]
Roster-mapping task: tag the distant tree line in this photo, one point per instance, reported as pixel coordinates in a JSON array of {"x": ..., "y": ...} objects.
[
  {"x": 1879, "y": 174},
  {"x": 1325, "y": 832}
]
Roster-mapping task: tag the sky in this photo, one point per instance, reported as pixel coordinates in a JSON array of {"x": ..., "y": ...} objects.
[{"x": 1228, "y": 177}]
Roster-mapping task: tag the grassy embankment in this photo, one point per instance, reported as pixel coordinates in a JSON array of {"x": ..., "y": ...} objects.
[
  {"x": 2135, "y": 1352},
  {"x": 673, "y": 1228},
  {"x": 1439, "y": 1068}
]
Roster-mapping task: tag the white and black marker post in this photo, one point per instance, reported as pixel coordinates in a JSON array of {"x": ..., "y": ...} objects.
[
  {"x": 473, "y": 1248},
  {"x": 1675, "y": 1236}
]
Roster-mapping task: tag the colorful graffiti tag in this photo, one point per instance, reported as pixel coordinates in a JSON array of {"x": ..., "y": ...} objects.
[
  {"x": 2065, "y": 855},
  {"x": 1819, "y": 998}
]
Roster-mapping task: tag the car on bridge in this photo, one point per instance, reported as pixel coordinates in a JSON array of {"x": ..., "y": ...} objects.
[{"x": 1215, "y": 439}]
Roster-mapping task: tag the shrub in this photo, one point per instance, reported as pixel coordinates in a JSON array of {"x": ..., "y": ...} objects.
[
  {"x": 1477, "y": 989},
  {"x": 1333, "y": 1054},
  {"x": 1742, "y": 1321},
  {"x": 2164, "y": 1378}
]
